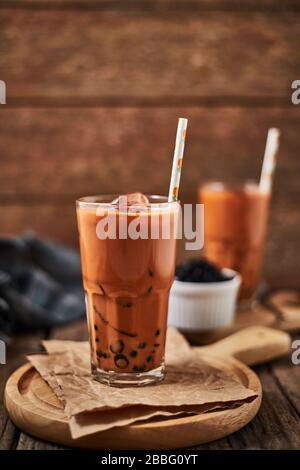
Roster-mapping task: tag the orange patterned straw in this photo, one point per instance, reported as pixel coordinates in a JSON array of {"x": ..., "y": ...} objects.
[
  {"x": 269, "y": 162},
  {"x": 177, "y": 159}
]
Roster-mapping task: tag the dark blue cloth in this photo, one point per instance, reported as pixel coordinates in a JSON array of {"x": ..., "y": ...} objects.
[{"x": 40, "y": 284}]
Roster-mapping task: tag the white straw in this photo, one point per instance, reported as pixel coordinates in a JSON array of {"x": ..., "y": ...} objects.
[
  {"x": 177, "y": 159},
  {"x": 269, "y": 162}
]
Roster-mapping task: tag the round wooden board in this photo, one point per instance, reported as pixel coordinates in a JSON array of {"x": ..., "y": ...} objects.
[{"x": 34, "y": 408}]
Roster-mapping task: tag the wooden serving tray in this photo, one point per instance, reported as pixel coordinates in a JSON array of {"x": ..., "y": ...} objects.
[{"x": 34, "y": 408}]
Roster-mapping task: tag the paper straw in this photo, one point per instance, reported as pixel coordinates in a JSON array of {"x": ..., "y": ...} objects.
[
  {"x": 177, "y": 159},
  {"x": 269, "y": 162}
]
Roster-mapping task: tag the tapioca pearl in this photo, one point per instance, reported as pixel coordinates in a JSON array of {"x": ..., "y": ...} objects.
[
  {"x": 157, "y": 332},
  {"x": 95, "y": 327},
  {"x": 97, "y": 340},
  {"x": 133, "y": 353},
  {"x": 117, "y": 346},
  {"x": 142, "y": 345},
  {"x": 139, "y": 368},
  {"x": 102, "y": 354},
  {"x": 156, "y": 345},
  {"x": 121, "y": 361},
  {"x": 149, "y": 359}
]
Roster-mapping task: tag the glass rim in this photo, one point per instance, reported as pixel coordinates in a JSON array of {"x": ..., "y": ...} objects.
[
  {"x": 156, "y": 202},
  {"x": 219, "y": 185}
]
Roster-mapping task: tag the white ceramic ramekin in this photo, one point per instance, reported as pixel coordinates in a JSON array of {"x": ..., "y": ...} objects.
[{"x": 198, "y": 306}]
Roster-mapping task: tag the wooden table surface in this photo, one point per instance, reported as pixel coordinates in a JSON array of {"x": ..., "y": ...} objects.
[{"x": 277, "y": 425}]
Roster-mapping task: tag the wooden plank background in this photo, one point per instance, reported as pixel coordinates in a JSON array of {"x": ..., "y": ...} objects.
[
  {"x": 109, "y": 54},
  {"x": 94, "y": 90}
]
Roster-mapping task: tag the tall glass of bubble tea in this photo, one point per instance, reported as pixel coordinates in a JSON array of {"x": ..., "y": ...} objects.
[
  {"x": 236, "y": 219},
  {"x": 235, "y": 230},
  {"x": 128, "y": 266}
]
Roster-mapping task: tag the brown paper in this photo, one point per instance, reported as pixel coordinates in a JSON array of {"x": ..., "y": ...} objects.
[
  {"x": 89, "y": 423},
  {"x": 190, "y": 386}
]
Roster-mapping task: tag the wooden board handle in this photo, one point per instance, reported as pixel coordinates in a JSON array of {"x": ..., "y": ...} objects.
[{"x": 253, "y": 345}]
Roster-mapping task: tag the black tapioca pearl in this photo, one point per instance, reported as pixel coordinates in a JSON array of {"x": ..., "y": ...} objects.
[
  {"x": 156, "y": 345},
  {"x": 133, "y": 353},
  {"x": 102, "y": 354},
  {"x": 142, "y": 345},
  {"x": 95, "y": 327},
  {"x": 149, "y": 359},
  {"x": 138, "y": 368},
  {"x": 97, "y": 340},
  {"x": 157, "y": 332},
  {"x": 151, "y": 273},
  {"x": 117, "y": 346},
  {"x": 121, "y": 361}
]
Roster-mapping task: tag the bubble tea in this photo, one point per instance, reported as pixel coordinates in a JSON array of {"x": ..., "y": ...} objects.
[
  {"x": 235, "y": 230},
  {"x": 127, "y": 274},
  {"x": 236, "y": 221}
]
